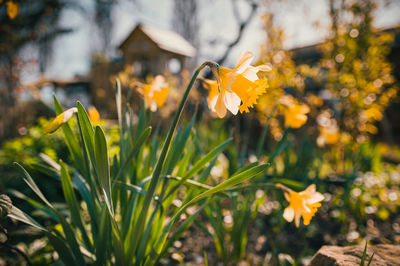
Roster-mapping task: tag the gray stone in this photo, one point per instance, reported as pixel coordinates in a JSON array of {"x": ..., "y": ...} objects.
[{"x": 385, "y": 255}]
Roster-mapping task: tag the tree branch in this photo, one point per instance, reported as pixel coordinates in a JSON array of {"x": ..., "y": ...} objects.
[{"x": 242, "y": 26}]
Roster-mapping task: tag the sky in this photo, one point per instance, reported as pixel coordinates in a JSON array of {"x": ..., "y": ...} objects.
[{"x": 73, "y": 51}]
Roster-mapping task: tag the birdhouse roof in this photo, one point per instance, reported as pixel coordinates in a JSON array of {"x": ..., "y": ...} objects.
[{"x": 165, "y": 39}]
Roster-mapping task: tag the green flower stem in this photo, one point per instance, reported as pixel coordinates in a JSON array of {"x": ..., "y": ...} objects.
[{"x": 156, "y": 174}]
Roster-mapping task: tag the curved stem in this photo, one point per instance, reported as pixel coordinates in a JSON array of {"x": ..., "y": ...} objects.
[{"x": 157, "y": 171}]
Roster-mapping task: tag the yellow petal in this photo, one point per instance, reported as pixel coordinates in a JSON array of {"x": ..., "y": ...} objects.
[
  {"x": 12, "y": 9},
  {"x": 60, "y": 120},
  {"x": 94, "y": 115},
  {"x": 160, "y": 96}
]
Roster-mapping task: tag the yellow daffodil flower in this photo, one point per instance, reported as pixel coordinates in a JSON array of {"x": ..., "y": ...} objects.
[
  {"x": 301, "y": 204},
  {"x": 295, "y": 115},
  {"x": 12, "y": 9},
  {"x": 238, "y": 88},
  {"x": 155, "y": 93},
  {"x": 94, "y": 115},
  {"x": 60, "y": 120},
  {"x": 328, "y": 135}
]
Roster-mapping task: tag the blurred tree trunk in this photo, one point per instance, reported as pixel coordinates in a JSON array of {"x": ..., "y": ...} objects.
[{"x": 103, "y": 22}]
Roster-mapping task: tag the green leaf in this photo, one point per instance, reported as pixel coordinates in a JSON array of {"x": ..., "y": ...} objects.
[
  {"x": 87, "y": 132},
  {"x": 133, "y": 188},
  {"x": 73, "y": 204},
  {"x": 104, "y": 237},
  {"x": 28, "y": 180},
  {"x": 37, "y": 205},
  {"x": 141, "y": 122},
  {"x": 71, "y": 141},
  {"x": 178, "y": 146},
  {"x": 181, "y": 229},
  {"x": 138, "y": 144},
  {"x": 199, "y": 165},
  {"x": 62, "y": 249},
  {"x": 70, "y": 235},
  {"x": 103, "y": 166},
  {"x": 206, "y": 159},
  {"x": 370, "y": 260},
  {"x": 118, "y": 99},
  {"x": 281, "y": 146},
  {"x": 234, "y": 180},
  {"x": 81, "y": 185},
  {"x": 288, "y": 182},
  {"x": 364, "y": 254},
  {"x": 19, "y": 215}
]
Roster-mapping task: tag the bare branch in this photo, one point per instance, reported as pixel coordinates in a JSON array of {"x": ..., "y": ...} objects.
[{"x": 242, "y": 26}]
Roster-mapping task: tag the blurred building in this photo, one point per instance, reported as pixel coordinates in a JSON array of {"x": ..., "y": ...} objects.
[
  {"x": 66, "y": 91},
  {"x": 146, "y": 51},
  {"x": 150, "y": 50}
]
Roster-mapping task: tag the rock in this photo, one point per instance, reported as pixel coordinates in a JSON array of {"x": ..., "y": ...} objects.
[{"x": 385, "y": 255}]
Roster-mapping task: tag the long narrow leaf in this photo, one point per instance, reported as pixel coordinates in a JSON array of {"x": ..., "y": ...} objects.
[
  {"x": 73, "y": 204},
  {"x": 62, "y": 249},
  {"x": 101, "y": 157},
  {"x": 29, "y": 181},
  {"x": 87, "y": 131},
  {"x": 19, "y": 215}
]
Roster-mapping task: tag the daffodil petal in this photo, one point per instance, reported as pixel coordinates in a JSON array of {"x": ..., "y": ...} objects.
[
  {"x": 251, "y": 74},
  {"x": 212, "y": 102},
  {"x": 264, "y": 68},
  {"x": 315, "y": 197},
  {"x": 244, "y": 62},
  {"x": 309, "y": 190},
  {"x": 304, "y": 109},
  {"x": 153, "y": 106},
  {"x": 157, "y": 83},
  {"x": 297, "y": 217},
  {"x": 232, "y": 102},
  {"x": 60, "y": 120},
  {"x": 220, "y": 108},
  {"x": 288, "y": 214}
]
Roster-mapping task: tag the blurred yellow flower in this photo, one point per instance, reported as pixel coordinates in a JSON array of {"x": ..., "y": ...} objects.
[
  {"x": 12, "y": 9},
  {"x": 60, "y": 120},
  {"x": 373, "y": 113},
  {"x": 239, "y": 88},
  {"x": 328, "y": 135},
  {"x": 295, "y": 115},
  {"x": 315, "y": 100},
  {"x": 301, "y": 204},
  {"x": 94, "y": 115},
  {"x": 155, "y": 93}
]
